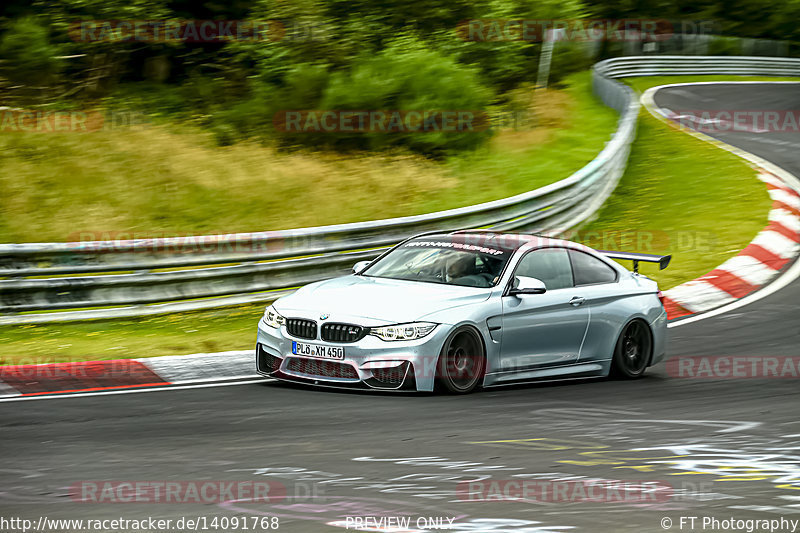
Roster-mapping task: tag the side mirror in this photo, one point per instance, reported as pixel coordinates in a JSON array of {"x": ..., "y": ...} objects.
[
  {"x": 526, "y": 285},
  {"x": 361, "y": 265}
]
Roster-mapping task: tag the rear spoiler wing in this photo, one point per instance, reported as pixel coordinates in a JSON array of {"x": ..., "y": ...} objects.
[{"x": 662, "y": 260}]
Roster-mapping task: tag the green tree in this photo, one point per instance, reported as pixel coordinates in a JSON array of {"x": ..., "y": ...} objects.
[{"x": 28, "y": 55}]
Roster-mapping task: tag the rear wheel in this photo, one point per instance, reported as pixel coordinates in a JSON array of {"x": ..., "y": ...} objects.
[
  {"x": 633, "y": 350},
  {"x": 462, "y": 362}
]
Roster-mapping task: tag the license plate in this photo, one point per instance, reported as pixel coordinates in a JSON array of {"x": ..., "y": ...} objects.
[{"x": 315, "y": 350}]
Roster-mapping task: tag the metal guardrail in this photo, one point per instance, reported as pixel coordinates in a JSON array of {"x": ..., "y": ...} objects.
[
  {"x": 117, "y": 278},
  {"x": 693, "y": 65}
]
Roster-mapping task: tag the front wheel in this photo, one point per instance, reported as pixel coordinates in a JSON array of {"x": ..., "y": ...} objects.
[
  {"x": 633, "y": 350},
  {"x": 462, "y": 361}
]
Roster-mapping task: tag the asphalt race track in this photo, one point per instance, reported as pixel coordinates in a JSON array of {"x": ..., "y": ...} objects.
[{"x": 725, "y": 448}]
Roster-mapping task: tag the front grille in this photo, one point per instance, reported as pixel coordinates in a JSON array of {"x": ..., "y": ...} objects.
[
  {"x": 299, "y": 327},
  {"x": 267, "y": 362},
  {"x": 322, "y": 368},
  {"x": 335, "y": 332},
  {"x": 391, "y": 376}
]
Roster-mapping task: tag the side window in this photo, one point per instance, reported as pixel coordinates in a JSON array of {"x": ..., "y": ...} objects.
[
  {"x": 550, "y": 265},
  {"x": 590, "y": 270}
]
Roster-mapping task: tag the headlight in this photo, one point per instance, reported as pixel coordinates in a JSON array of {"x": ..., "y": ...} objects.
[
  {"x": 272, "y": 318},
  {"x": 403, "y": 332}
]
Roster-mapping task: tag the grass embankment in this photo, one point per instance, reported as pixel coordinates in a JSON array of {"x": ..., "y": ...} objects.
[
  {"x": 681, "y": 196},
  {"x": 678, "y": 195},
  {"x": 165, "y": 180},
  {"x": 171, "y": 179}
]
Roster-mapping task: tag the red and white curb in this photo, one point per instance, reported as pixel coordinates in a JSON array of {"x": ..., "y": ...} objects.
[
  {"x": 760, "y": 262},
  {"x": 766, "y": 255},
  {"x": 116, "y": 374}
]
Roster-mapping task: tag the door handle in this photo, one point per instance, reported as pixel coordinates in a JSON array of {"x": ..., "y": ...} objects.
[{"x": 577, "y": 300}]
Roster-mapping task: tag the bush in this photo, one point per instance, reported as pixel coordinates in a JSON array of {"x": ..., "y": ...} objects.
[
  {"x": 568, "y": 58},
  {"x": 155, "y": 99},
  {"x": 253, "y": 116},
  {"x": 405, "y": 76},
  {"x": 26, "y": 49},
  {"x": 245, "y": 118}
]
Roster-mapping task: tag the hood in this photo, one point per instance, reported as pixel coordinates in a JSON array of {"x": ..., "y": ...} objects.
[{"x": 379, "y": 300}]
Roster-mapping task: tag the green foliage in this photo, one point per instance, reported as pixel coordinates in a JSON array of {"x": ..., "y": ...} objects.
[
  {"x": 154, "y": 99},
  {"x": 361, "y": 54},
  {"x": 29, "y": 55},
  {"x": 253, "y": 116},
  {"x": 568, "y": 58},
  {"x": 724, "y": 46},
  {"x": 303, "y": 87},
  {"x": 408, "y": 76},
  {"x": 245, "y": 118}
]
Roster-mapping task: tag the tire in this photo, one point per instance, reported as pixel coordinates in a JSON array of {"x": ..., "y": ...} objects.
[
  {"x": 633, "y": 350},
  {"x": 462, "y": 362}
]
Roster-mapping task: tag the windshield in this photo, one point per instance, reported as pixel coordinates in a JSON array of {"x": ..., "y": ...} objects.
[{"x": 446, "y": 262}]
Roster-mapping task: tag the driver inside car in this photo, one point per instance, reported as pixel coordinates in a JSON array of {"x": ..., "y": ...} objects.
[{"x": 461, "y": 270}]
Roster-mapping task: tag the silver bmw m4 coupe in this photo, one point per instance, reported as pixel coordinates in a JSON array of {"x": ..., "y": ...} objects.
[{"x": 460, "y": 310}]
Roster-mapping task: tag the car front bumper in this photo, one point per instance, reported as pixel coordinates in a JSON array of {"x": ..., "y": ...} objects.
[{"x": 370, "y": 363}]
